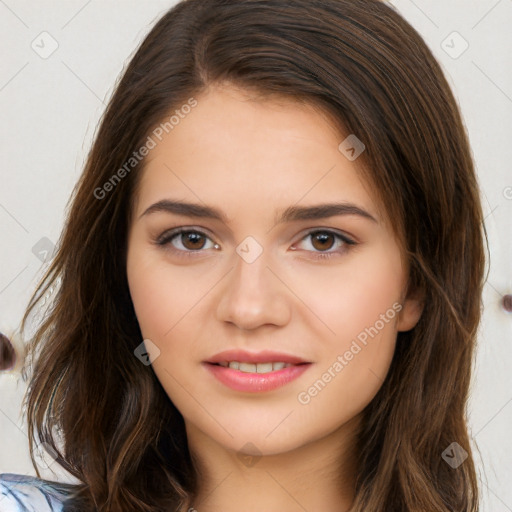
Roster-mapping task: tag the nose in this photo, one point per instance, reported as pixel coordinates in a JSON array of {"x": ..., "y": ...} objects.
[{"x": 254, "y": 295}]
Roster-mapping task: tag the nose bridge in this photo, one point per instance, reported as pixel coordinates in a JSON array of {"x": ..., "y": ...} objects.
[{"x": 252, "y": 294}]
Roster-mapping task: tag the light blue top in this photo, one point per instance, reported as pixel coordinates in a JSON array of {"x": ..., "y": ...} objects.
[{"x": 23, "y": 493}]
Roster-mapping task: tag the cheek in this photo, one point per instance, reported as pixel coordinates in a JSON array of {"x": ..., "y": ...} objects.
[
  {"x": 352, "y": 296},
  {"x": 163, "y": 299},
  {"x": 149, "y": 296},
  {"x": 161, "y": 293},
  {"x": 360, "y": 305}
]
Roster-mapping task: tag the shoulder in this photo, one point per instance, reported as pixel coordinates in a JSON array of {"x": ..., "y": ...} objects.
[{"x": 23, "y": 493}]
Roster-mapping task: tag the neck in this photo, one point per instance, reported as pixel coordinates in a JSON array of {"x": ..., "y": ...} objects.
[{"x": 317, "y": 476}]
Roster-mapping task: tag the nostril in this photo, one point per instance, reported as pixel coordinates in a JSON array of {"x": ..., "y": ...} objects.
[{"x": 7, "y": 353}]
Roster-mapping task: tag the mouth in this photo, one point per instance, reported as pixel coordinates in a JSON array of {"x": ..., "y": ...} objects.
[{"x": 255, "y": 372}]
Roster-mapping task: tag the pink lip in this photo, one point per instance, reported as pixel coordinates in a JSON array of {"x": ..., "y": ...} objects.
[{"x": 255, "y": 382}]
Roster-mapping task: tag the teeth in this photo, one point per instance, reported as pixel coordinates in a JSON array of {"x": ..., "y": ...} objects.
[
  {"x": 255, "y": 367},
  {"x": 264, "y": 367},
  {"x": 246, "y": 367}
]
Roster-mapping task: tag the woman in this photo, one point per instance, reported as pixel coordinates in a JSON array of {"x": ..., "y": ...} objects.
[{"x": 271, "y": 274}]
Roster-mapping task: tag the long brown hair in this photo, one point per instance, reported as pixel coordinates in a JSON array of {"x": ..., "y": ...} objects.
[{"x": 367, "y": 68}]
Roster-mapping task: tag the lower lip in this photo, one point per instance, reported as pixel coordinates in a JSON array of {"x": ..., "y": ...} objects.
[{"x": 256, "y": 382}]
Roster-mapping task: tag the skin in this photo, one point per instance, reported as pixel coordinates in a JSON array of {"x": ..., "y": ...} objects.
[{"x": 251, "y": 159}]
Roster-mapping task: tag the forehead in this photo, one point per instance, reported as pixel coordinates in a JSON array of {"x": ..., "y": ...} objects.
[{"x": 237, "y": 148}]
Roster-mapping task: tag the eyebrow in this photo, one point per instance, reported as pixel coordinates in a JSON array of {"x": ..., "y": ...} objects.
[{"x": 292, "y": 213}]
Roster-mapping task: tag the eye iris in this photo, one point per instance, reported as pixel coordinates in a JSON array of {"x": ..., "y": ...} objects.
[
  {"x": 322, "y": 238},
  {"x": 192, "y": 238}
]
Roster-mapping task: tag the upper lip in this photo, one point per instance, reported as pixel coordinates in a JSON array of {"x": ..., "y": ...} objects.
[{"x": 265, "y": 356}]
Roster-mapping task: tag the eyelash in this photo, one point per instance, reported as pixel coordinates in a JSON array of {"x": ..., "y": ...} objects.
[{"x": 166, "y": 238}]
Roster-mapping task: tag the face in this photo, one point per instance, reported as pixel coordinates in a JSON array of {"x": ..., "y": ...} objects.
[{"x": 234, "y": 260}]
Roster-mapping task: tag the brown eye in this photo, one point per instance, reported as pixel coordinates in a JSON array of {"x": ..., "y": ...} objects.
[
  {"x": 185, "y": 241},
  {"x": 322, "y": 240},
  {"x": 324, "y": 244},
  {"x": 192, "y": 240}
]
